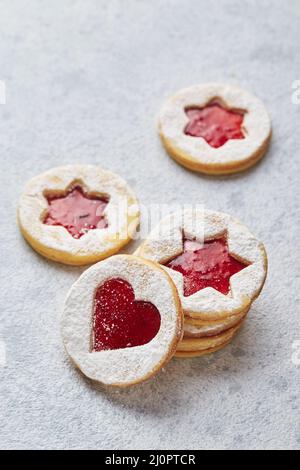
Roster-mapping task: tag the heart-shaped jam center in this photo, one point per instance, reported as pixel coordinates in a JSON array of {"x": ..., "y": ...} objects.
[
  {"x": 215, "y": 124},
  {"x": 207, "y": 264},
  {"x": 119, "y": 320},
  {"x": 77, "y": 212}
]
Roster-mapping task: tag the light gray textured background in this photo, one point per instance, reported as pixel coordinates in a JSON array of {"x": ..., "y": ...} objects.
[{"x": 85, "y": 80}]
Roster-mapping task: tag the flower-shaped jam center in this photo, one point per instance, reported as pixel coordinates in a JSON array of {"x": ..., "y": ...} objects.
[
  {"x": 77, "y": 212},
  {"x": 206, "y": 265},
  {"x": 215, "y": 124}
]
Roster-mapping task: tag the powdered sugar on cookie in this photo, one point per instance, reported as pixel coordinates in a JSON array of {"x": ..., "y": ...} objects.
[
  {"x": 166, "y": 242},
  {"x": 195, "y": 152},
  {"x": 54, "y": 241},
  {"x": 127, "y": 366}
]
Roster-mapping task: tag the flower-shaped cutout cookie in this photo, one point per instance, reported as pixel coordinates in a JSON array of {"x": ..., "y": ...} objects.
[
  {"x": 214, "y": 128},
  {"x": 209, "y": 304},
  {"x": 78, "y": 226}
]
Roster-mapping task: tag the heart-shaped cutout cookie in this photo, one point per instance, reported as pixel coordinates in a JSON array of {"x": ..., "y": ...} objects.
[{"x": 119, "y": 320}]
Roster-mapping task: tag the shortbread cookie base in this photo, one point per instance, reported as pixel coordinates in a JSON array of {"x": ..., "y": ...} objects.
[
  {"x": 191, "y": 354},
  {"x": 64, "y": 257},
  {"x": 194, "y": 331},
  {"x": 216, "y": 169},
  {"x": 129, "y": 366},
  {"x": 206, "y": 323},
  {"x": 199, "y": 344}
]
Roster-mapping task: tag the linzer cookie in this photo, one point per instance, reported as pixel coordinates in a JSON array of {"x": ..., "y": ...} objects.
[
  {"x": 122, "y": 321},
  {"x": 218, "y": 267},
  {"x": 215, "y": 128},
  {"x": 77, "y": 214}
]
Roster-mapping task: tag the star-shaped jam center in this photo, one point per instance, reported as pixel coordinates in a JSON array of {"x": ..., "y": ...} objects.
[
  {"x": 77, "y": 212},
  {"x": 215, "y": 124},
  {"x": 207, "y": 264}
]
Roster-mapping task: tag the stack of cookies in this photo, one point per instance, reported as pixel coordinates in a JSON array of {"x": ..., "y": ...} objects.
[
  {"x": 185, "y": 293},
  {"x": 219, "y": 269}
]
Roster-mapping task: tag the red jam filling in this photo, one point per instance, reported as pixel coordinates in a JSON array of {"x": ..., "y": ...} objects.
[
  {"x": 206, "y": 265},
  {"x": 120, "y": 321},
  {"x": 77, "y": 212},
  {"x": 215, "y": 124}
]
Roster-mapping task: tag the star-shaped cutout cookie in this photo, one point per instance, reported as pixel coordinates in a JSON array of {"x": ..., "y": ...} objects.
[
  {"x": 77, "y": 212},
  {"x": 215, "y": 124},
  {"x": 206, "y": 265}
]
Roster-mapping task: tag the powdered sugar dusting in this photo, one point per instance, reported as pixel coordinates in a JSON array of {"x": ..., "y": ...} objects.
[
  {"x": 121, "y": 211},
  {"x": 244, "y": 286},
  {"x": 121, "y": 366},
  {"x": 173, "y": 120}
]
